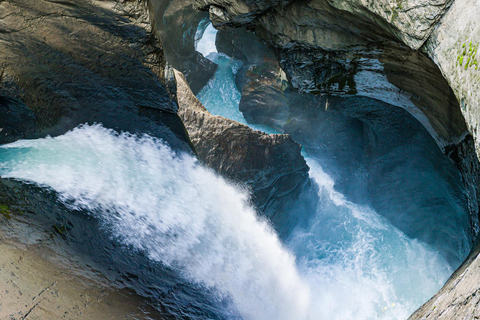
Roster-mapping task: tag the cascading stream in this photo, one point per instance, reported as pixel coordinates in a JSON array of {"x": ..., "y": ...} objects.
[
  {"x": 351, "y": 262},
  {"x": 170, "y": 207},
  {"x": 357, "y": 264},
  {"x": 347, "y": 262}
]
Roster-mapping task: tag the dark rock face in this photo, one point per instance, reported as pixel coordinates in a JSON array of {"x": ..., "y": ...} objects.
[
  {"x": 260, "y": 80},
  {"x": 271, "y": 165},
  {"x": 74, "y": 62},
  {"x": 176, "y": 23},
  {"x": 16, "y": 120}
]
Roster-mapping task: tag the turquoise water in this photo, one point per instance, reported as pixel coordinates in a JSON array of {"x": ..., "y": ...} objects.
[
  {"x": 348, "y": 263},
  {"x": 345, "y": 262},
  {"x": 357, "y": 264}
]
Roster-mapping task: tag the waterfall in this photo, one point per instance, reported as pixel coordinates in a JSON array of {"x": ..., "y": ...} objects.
[
  {"x": 351, "y": 263},
  {"x": 358, "y": 265},
  {"x": 170, "y": 207},
  {"x": 345, "y": 262}
]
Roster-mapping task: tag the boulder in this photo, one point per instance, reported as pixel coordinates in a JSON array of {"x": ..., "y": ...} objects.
[{"x": 270, "y": 165}]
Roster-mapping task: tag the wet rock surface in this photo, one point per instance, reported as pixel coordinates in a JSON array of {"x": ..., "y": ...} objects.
[
  {"x": 16, "y": 120},
  {"x": 73, "y": 62},
  {"x": 271, "y": 165},
  {"x": 176, "y": 23},
  {"x": 35, "y": 286}
]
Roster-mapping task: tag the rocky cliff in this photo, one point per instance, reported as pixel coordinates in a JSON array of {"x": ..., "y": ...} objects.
[
  {"x": 270, "y": 165},
  {"x": 420, "y": 56},
  {"x": 72, "y": 62}
]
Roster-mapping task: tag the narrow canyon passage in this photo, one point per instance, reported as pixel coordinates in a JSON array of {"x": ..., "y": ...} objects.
[
  {"x": 343, "y": 261},
  {"x": 388, "y": 225}
]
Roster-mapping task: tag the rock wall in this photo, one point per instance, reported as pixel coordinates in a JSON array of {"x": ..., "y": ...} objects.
[
  {"x": 271, "y": 165},
  {"x": 420, "y": 56},
  {"x": 62, "y": 64},
  {"x": 73, "y": 62}
]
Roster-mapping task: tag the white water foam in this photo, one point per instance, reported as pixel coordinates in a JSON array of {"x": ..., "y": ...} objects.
[
  {"x": 352, "y": 264},
  {"x": 356, "y": 263},
  {"x": 180, "y": 213}
]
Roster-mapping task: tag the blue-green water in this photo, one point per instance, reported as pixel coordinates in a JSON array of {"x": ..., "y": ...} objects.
[
  {"x": 345, "y": 262},
  {"x": 357, "y": 264}
]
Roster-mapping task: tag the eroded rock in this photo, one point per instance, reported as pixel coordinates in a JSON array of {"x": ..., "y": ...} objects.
[
  {"x": 177, "y": 23},
  {"x": 73, "y": 62},
  {"x": 271, "y": 165}
]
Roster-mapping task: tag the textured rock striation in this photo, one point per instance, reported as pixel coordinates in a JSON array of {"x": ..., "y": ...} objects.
[
  {"x": 271, "y": 165},
  {"x": 420, "y": 56},
  {"x": 73, "y": 62}
]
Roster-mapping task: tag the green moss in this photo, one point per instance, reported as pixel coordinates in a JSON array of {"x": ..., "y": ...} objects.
[
  {"x": 470, "y": 54},
  {"x": 395, "y": 10},
  {"x": 61, "y": 230},
  {"x": 5, "y": 211}
]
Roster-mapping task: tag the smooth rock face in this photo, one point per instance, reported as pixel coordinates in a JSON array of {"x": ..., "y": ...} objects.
[
  {"x": 459, "y": 298},
  {"x": 411, "y": 21},
  {"x": 176, "y": 23},
  {"x": 37, "y": 281},
  {"x": 73, "y": 62},
  {"x": 270, "y": 164}
]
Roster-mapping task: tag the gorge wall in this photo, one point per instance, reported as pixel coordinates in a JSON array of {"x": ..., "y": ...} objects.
[
  {"x": 373, "y": 67},
  {"x": 418, "y": 56},
  {"x": 65, "y": 64}
]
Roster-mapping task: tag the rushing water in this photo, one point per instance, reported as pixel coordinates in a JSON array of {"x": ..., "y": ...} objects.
[
  {"x": 180, "y": 213},
  {"x": 357, "y": 264},
  {"x": 347, "y": 262},
  {"x": 351, "y": 263}
]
